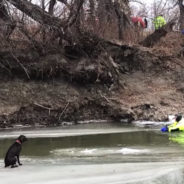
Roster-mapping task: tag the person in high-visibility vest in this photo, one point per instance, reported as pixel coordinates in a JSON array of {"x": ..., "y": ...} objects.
[
  {"x": 159, "y": 22},
  {"x": 178, "y": 124}
]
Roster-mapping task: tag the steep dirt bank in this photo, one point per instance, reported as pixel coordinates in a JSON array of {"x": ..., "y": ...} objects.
[{"x": 120, "y": 82}]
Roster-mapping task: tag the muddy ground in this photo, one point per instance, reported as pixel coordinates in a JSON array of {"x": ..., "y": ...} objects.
[{"x": 122, "y": 83}]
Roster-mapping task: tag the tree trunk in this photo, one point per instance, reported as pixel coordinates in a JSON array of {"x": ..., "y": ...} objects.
[
  {"x": 36, "y": 13},
  {"x": 92, "y": 11},
  {"x": 120, "y": 18},
  {"x": 9, "y": 25},
  {"x": 122, "y": 10},
  {"x": 51, "y": 6},
  {"x": 74, "y": 13},
  {"x": 3, "y": 12},
  {"x": 181, "y": 19}
]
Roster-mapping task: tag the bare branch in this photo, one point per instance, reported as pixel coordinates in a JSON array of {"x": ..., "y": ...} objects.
[{"x": 66, "y": 3}]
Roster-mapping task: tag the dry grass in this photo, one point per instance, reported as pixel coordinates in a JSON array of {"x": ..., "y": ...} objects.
[
  {"x": 169, "y": 45},
  {"x": 105, "y": 29}
]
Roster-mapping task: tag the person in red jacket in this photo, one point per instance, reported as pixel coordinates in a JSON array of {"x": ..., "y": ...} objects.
[
  {"x": 138, "y": 21},
  {"x": 139, "y": 25}
]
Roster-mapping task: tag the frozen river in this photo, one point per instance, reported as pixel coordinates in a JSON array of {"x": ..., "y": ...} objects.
[{"x": 96, "y": 154}]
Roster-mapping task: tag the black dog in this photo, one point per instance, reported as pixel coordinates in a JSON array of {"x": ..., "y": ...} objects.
[{"x": 12, "y": 155}]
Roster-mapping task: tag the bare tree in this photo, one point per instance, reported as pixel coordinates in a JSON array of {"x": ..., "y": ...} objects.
[
  {"x": 9, "y": 24},
  {"x": 122, "y": 10},
  {"x": 181, "y": 19},
  {"x": 71, "y": 17}
]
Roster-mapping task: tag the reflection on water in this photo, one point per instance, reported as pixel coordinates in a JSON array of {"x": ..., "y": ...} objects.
[
  {"x": 110, "y": 155},
  {"x": 177, "y": 137}
]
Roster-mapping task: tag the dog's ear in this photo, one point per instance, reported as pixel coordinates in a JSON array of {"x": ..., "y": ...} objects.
[{"x": 22, "y": 138}]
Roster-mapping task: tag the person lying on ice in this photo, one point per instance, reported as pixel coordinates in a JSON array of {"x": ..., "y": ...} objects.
[{"x": 178, "y": 124}]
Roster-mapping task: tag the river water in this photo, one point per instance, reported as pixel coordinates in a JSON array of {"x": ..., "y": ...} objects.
[{"x": 96, "y": 154}]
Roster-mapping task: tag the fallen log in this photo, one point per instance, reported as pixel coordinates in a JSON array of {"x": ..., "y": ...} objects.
[{"x": 36, "y": 13}]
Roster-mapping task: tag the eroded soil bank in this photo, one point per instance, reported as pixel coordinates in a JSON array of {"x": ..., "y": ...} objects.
[{"x": 120, "y": 82}]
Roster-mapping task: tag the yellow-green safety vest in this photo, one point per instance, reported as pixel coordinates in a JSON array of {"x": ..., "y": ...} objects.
[{"x": 159, "y": 22}]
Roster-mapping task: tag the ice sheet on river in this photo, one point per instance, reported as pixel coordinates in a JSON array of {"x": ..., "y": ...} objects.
[
  {"x": 60, "y": 132},
  {"x": 122, "y": 173}
]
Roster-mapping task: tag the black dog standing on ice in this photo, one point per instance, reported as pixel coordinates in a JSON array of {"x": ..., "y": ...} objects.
[{"x": 12, "y": 155}]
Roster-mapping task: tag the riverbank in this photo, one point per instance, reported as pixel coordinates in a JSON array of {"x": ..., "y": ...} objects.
[{"x": 122, "y": 83}]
